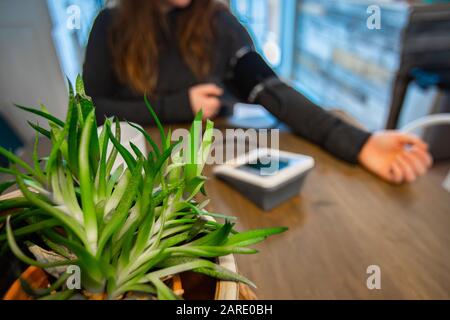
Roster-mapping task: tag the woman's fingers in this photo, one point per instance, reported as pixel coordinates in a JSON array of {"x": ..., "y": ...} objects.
[
  {"x": 396, "y": 173},
  {"x": 210, "y": 107},
  {"x": 408, "y": 172},
  {"x": 205, "y": 96},
  {"x": 409, "y": 165},
  {"x": 211, "y": 103},
  {"x": 396, "y": 157},
  {"x": 415, "y": 163},
  {"x": 413, "y": 140},
  {"x": 423, "y": 155},
  {"x": 210, "y": 89}
]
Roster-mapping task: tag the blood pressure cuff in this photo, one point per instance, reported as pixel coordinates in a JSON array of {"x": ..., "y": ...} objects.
[
  {"x": 249, "y": 71},
  {"x": 256, "y": 81}
]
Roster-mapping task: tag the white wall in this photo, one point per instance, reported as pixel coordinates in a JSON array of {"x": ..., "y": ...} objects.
[{"x": 29, "y": 69}]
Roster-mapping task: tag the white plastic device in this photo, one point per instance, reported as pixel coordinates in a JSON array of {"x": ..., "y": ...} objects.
[
  {"x": 268, "y": 177},
  {"x": 428, "y": 121}
]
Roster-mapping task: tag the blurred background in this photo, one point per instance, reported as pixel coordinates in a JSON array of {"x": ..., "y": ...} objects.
[{"x": 384, "y": 63}]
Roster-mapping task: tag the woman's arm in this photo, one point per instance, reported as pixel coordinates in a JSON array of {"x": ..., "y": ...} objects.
[
  {"x": 312, "y": 122},
  {"x": 256, "y": 82},
  {"x": 102, "y": 85},
  {"x": 308, "y": 120},
  {"x": 393, "y": 156}
]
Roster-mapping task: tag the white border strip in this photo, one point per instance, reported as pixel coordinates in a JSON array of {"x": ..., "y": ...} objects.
[{"x": 230, "y": 168}]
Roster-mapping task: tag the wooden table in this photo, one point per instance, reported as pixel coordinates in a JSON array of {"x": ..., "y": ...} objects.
[{"x": 343, "y": 221}]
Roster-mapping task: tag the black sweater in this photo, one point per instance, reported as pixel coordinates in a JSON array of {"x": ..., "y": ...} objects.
[{"x": 171, "y": 101}]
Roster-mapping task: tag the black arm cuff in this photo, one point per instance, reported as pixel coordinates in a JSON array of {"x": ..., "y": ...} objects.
[
  {"x": 312, "y": 122},
  {"x": 256, "y": 81},
  {"x": 249, "y": 71}
]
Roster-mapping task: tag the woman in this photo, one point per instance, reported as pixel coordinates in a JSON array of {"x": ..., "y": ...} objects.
[{"x": 187, "y": 53}]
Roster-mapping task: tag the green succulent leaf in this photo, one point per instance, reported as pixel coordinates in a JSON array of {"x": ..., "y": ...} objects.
[
  {"x": 215, "y": 238},
  {"x": 123, "y": 208},
  {"x": 147, "y": 137},
  {"x": 19, "y": 254},
  {"x": 155, "y": 118},
  {"x": 39, "y": 129},
  {"x": 258, "y": 235},
  {"x": 208, "y": 268},
  {"x": 72, "y": 138},
  {"x": 126, "y": 155},
  {"x": 86, "y": 188},
  {"x": 16, "y": 160},
  {"x": 32, "y": 228},
  {"x": 164, "y": 292},
  {"x": 42, "y": 114}
]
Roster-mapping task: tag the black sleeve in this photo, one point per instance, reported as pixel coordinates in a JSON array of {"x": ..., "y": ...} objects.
[
  {"x": 101, "y": 84},
  {"x": 312, "y": 122},
  {"x": 232, "y": 33},
  {"x": 258, "y": 83}
]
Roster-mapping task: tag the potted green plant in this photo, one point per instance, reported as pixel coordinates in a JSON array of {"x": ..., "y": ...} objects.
[{"x": 128, "y": 230}]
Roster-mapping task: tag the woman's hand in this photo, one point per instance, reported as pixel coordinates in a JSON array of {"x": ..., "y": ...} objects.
[
  {"x": 395, "y": 157},
  {"x": 205, "y": 97}
]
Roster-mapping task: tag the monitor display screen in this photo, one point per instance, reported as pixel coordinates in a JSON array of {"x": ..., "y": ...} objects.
[{"x": 266, "y": 165}]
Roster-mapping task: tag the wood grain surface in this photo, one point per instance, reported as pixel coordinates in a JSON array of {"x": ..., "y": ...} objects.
[{"x": 343, "y": 221}]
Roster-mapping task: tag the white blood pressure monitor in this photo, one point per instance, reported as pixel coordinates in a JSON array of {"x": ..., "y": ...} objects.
[{"x": 267, "y": 177}]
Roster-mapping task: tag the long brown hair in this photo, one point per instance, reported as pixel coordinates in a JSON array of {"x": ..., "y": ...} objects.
[{"x": 135, "y": 40}]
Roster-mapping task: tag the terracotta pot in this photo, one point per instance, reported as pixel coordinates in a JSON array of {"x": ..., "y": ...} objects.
[
  {"x": 36, "y": 277},
  {"x": 195, "y": 286}
]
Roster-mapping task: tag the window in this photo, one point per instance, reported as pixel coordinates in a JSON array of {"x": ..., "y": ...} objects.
[
  {"x": 326, "y": 51},
  {"x": 72, "y": 22},
  {"x": 322, "y": 47},
  {"x": 270, "y": 23}
]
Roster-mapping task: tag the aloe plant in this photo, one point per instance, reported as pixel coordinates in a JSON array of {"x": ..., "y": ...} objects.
[{"x": 128, "y": 229}]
